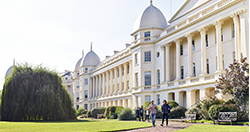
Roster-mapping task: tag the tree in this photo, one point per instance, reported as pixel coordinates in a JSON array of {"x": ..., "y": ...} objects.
[
  {"x": 35, "y": 93},
  {"x": 236, "y": 83}
]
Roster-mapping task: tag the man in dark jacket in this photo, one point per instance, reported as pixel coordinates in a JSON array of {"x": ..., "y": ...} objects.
[
  {"x": 165, "y": 108},
  {"x": 141, "y": 113}
]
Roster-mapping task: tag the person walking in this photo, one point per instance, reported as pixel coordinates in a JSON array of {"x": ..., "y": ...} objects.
[
  {"x": 137, "y": 113},
  {"x": 153, "y": 108},
  {"x": 165, "y": 108},
  {"x": 141, "y": 113},
  {"x": 147, "y": 115}
]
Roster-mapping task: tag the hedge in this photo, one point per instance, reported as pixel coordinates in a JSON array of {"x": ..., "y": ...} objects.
[
  {"x": 118, "y": 110},
  {"x": 126, "y": 114},
  {"x": 177, "y": 112},
  {"x": 96, "y": 111},
  {"x": 215, "y": 109},
  {"x": 110, "y": 112},
  {"x": 172, "y": 103}
]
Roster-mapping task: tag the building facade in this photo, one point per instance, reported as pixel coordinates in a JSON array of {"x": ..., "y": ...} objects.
[{"x": 179, "y": 59}]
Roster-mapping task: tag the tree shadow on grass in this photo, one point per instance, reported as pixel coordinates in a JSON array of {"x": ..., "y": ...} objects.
[{"x": 71, "y": 121}]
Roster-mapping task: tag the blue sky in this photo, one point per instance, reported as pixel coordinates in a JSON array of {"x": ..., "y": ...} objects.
[{"x": 54, "y": 32}]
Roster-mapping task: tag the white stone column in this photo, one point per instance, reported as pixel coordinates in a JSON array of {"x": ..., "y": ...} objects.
[
  {"x": 123, "y": 103},
  {"x": 190, "y": 54},
  {"x": 218, "y": 45},
  {"x": 90, "y": 87},
  {"x": 111, "y": 81},
  {"x": 203, "y": 50},
  {"x": 103, "y": 83},
  {"x": 236, "y": 36},
  {"x": 100, "y": 84},
  {"x": 96, "y": 85},
  {"x": 163, "y": 63},
  {"x": 125, "y": 76},
  {"x": 178, "y": 58},
  {"x": 107, "y": 81},
  {"x": 130, "y": 103},
  {"x": 243, "y": 37},
  {"x": 167, "y": 51},
  {"x": 176, "y": 97},
  {"x": 120, "y": 78},
  {"x": 116, "y": 81},
  {"x": 131, "y": 75},
  {"x": 188, "y": 96}
]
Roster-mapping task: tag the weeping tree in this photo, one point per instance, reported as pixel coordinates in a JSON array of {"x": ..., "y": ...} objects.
[{"x": 35, "y": 93}]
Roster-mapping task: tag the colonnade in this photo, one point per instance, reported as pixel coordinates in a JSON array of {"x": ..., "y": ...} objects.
[
  {"x": 112, "y": 81},
  {"x": 240, "y": 45},
  {"x": 127, "y": 102}
]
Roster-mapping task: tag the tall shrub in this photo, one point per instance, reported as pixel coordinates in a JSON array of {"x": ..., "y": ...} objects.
[
  {"x": 172, "y": 103},
  {"x": 126, "y": 114},
  {"x": 35, "y": 93},
  {"x": 96, "y": 111},
  {"x": 118, "y": 110}
]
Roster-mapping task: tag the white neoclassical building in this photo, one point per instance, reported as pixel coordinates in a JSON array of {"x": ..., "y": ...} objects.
[{"x": 177, "y": 59}]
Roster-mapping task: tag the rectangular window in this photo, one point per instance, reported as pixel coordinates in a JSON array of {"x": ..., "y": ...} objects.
[
  {"x": 136, "y": 59},
  {"x": 128, "y": 84},
  {"x": 233, "y": 56},
  {"x": 207, "y": 66},
  {"x": 77, "y": 96},
  {"x": 147, "y": 56},
  {"x": 136, "y": 79},
  {"x": 77, "y": 107},
  {"x": 223, "y": 62},
  {"x": 86, "y": 81},
  {"x": 128, "y": 70},
  {"x": 148, "y": 78},
  {"x": 233, "y": 33},
  {"x": 193, "y": 45},
  {"x": 194, "y": 73},
  {"x": 146, "y": 35},
  {"x": 136, "y": 37},
  {"x": 147, "y": 98},
  {"x": 181, "y": 49},
  {"x": 122, "y": 86},
  {"x": 122, "y": 70},
  {"x": 158, "y": 99},
  {"x": 136, "y": 100},
  {"x": 86, "y": 106},
  {"x": 77, "y": 85},
  {"x": 182, "y": 72},
  {"x": 86, "y": 93},
  {"x": 158, "y": 77},
  {"x": 221, "y": 34},
  {"x": 206, "y": 40},
  {"x": 118, "y": 72}
]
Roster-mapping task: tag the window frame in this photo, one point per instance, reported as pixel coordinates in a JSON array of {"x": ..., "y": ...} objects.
[
  {"x": 147, "y": 78},
  {"x": 147, "y": 56}
]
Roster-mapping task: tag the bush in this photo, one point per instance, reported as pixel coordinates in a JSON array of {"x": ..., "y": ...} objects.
[
  {"x": 230, "y": 101},
  {"x": 118, "y": 110},
  {"x": 110, "y": 111},
  {"x": 81, "y": 111},
  {"x": 89, "y": 114},
  {"x": 194, "y": 110},
  {"x": 172, "y": 103},
  {"x": 177, "y": 112},
  {"x": 126, "y": 114},
  {"x": 96, "y": 111},
  {"x": 215, "y": 109}
]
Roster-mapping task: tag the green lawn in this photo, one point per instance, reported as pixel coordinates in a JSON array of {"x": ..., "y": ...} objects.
[
  {"x": 215, "y": 128},
  {"x": 84, "y": 125}
]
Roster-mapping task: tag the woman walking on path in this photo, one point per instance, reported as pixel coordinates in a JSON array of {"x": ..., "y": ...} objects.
[
  {"x": 165, "y": 108},
  {"x": 137, "y": 113},
  {"x": 153, "y": 108}
]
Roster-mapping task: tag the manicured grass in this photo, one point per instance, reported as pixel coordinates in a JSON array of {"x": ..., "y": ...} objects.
[
  {"x": 215, "y": 128},
  {"x": 84, "y": 125}
]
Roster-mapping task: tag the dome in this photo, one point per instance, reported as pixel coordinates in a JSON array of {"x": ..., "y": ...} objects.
[
  {"x": 9, "y": 71},
  {"x": 152, "y": 17},
  {"x": 78, "y": 64},
  {"x": 91, "y": 59}
]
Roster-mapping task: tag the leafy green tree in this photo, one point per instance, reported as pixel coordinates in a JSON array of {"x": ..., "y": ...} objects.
[
  {"x": 35, "y": 93},
  {"x": 236, "y": 83}
]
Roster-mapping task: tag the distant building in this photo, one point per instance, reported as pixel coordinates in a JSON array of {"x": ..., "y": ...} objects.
[{"x": 179, "y": 59}]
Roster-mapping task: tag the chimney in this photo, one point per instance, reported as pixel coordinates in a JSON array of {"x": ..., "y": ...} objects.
[
  {"x": 127, "y": 45},
  {"x": 107, "y": 56},
  {"x": 115, "y": 51}
]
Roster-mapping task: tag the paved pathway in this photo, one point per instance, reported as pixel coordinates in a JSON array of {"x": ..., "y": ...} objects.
[{"x": 172, "y": 126}]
